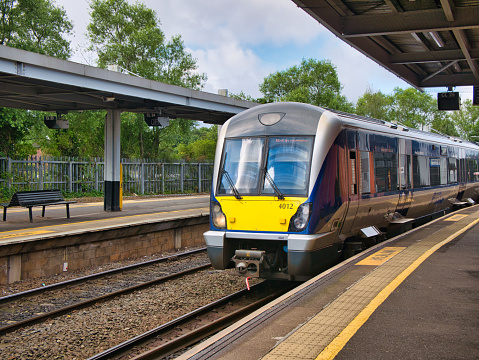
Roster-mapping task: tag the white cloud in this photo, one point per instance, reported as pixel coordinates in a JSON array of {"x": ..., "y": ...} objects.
[
  {"x": 231, "y": 67},
  {"x": 248, "y": 22},
  {"x": 238, "y": 43}
]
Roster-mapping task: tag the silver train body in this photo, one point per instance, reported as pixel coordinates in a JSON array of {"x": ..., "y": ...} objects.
[{"x": 296, "y": 186}]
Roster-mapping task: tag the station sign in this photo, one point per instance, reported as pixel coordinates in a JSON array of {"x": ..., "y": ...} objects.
[
  {"x": 448, "y": 101},
  {"x": 154, "y": 119},
  {"x": 53, "y": 122}
]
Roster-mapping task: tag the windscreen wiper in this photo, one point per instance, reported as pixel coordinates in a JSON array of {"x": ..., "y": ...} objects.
[
  {"x": 232, "y": 185},
  {"x": 278, "y": 193}
]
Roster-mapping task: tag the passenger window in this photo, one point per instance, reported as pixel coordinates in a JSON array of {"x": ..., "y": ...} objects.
[
  {"x": 365, "y": 172},
  {"x": 435, "y": 171},
  {"x": 420, "y": 171},
  {"x": 385, "y": 167}
]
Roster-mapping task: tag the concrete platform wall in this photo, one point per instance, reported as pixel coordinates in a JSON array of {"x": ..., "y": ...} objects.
[{"x": 49, "y": 256}]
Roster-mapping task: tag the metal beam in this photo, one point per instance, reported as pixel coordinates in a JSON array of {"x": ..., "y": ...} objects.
[
  {"x": 464, "y": 45},
  {"x": 432, "y": 56},
  {"x": 448, "y": 8},
  {"x": 407, "y": 22},
  {"x": 450, "y": 80}
]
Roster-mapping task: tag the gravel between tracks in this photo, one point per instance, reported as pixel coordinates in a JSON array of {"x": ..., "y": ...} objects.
[
  {"x": 85, "y": 333},
  {"x": 82, "y": 334}
]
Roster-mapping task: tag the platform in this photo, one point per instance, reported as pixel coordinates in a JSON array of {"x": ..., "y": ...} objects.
[
  {"x": 92, "y": 237},
  {"x": 89, "y": 214},
  {"x": 415, "y": 296}
]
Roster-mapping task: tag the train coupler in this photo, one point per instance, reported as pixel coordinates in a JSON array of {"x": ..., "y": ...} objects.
[{"x": 248, "y": 262}]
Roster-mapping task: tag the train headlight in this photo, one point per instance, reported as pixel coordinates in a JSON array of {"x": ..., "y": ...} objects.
[
  {"x": 300, "y": 220},
  {"x": 217, "y": 216}
]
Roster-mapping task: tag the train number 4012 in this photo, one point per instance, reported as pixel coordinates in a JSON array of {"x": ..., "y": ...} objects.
[{"x": 285, "y": 206}]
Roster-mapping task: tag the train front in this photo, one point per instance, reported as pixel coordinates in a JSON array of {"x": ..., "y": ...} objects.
[{"x": 260, "y": 212}]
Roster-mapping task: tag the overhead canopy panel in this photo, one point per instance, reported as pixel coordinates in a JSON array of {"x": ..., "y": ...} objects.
[
  {"x": 425, "y": 42},
  {"x": 38, "y": 82}
]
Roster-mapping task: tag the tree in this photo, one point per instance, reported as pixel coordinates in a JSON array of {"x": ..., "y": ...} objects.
[
  {"x": 129, "y": 35},
  {"x": 413, "y": 108},
  {"x": 202, "y": 146},
  {"x": 83, "y": 138},
  {"x": 467, "y": 121},
  {"x": 374, "y": 104},
  {"x": 35, "y": 25},
  {"x": 313, "y": 82}
]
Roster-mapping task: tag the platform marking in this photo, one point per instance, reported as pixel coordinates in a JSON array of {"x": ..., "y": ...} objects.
[
  {"x": 381, "y": 256},
  {"x": 114, "y": 223},
  {"x": 456, "y": 217},
  {"x": 342, "y": 339},
  {"x": 24, "y": 233}
]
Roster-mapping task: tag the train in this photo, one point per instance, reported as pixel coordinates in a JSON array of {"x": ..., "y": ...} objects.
[{"x": 297, "y": 187}]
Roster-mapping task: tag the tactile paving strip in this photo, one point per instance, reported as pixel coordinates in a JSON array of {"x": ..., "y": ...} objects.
[{"x": 316, "y": 335}]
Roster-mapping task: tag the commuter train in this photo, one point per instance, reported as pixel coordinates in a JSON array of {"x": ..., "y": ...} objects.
[{"x": 296, "y": 187}]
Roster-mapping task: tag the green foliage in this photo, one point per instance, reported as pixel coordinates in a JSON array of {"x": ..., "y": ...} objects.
[
  {"x": 83, "y": 138},
  {"x": 38, "y": 26},
  {"x": 375, "y": 104},
  {"x": 18, "y": 129},
  {"x": 129, "y": 35},
  {"x": 409, "y": 106},
  {"x": 313, "y": 82},
  {"x": 91, "y": 193},
  {"x": 35, "y": 25},
  {"x": 243, "y": 96},
  {"x": 413, "y": 108},
  {"x": 467, "y": 121},
  {"x": 202, "y": 147}
]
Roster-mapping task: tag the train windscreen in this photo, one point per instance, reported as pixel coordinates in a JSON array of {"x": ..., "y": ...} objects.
[
  {"x": 288, "y": 164},
  {"x": 241, "y": 166},
  {"x": 251, "y": 166}
]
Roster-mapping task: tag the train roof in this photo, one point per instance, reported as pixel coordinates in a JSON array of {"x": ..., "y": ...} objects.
[
  {"x": 399, "y": 129},
  {"x": 245, "y": 123}
]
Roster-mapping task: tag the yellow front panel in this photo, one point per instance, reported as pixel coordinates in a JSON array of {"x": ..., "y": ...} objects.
[{"x": 259, "y": 213}]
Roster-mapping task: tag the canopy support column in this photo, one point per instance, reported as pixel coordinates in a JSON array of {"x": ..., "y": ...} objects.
[{"x": 112, "y": 161}]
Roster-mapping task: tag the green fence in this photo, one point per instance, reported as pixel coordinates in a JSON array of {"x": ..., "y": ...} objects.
[{"x": 74, "y": 175}]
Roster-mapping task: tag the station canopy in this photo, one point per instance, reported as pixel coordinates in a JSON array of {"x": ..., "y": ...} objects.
[
  {"x": 37, "y": 82},
  {"x": 427, "y": 43}
]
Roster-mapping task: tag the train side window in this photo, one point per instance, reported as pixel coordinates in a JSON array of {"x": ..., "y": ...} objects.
[
  {"x": 420, "y": 171},
  {"x": 435, "y": 171},
  {"x": 385, "y": 168},
  {"x": 366, "y": 172}
]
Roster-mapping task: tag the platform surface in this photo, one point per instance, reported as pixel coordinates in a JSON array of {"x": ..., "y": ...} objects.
[
  {"x": 412, "y": 297},
  {"x": 87, "y": 217}
]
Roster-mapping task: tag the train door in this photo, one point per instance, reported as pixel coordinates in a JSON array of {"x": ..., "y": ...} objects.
[
  {"x": 405, "y": 176},
  {"x": 353, "y": 174},
  {"x": 405, "y": 191}
]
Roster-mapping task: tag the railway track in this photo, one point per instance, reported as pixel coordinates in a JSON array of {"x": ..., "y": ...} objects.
[
  {"x": 36, "y": 305},
  {"x": 184, "y": 331}
]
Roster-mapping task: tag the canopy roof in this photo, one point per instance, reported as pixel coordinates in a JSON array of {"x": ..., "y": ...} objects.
[{"x": 427, "y": 43}]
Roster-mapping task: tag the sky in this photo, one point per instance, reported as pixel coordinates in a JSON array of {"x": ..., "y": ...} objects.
[{"x": 238, "y": 43}]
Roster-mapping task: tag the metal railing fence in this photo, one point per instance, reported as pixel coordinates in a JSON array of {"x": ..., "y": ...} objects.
[{"x": 73, "y": 175}]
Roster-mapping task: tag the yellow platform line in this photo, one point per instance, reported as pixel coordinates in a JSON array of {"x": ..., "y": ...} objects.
[
  {"x": 116, "y": 220},
  {"x": 330, "y": 329},
  {"x": 342, "y": 339}
]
